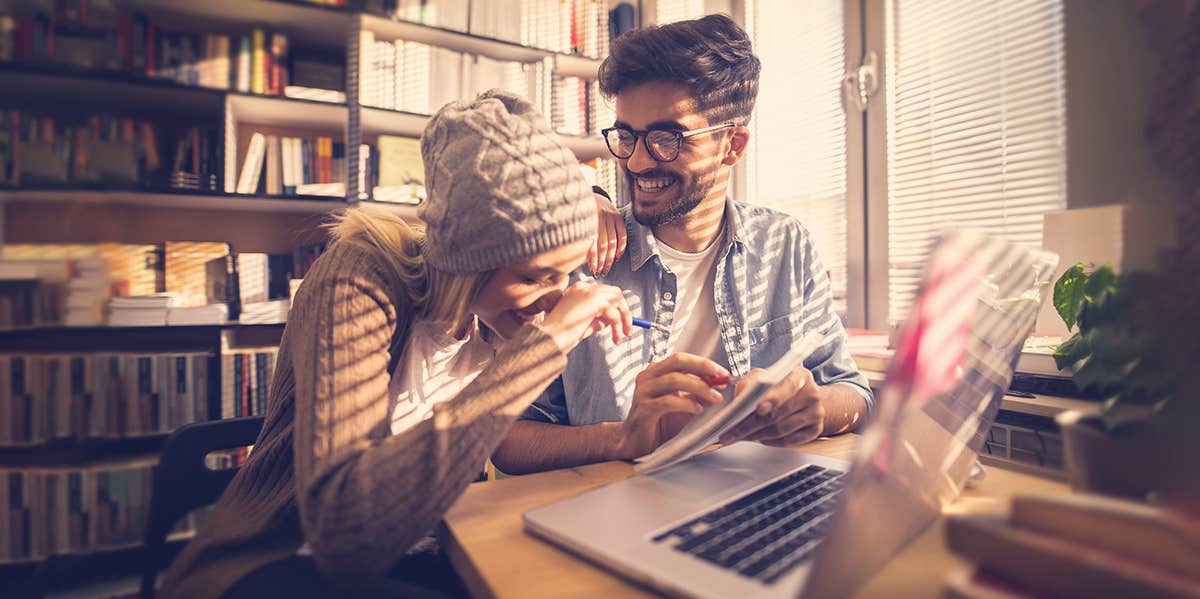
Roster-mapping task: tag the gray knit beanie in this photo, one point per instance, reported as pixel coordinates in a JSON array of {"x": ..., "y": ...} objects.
[{"x": 501, "y": 187}]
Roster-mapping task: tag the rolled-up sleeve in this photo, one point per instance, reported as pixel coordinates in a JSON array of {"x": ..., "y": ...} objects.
[
  {"x": 831, "y": 362},
  {"x": 550, "y": 407}
]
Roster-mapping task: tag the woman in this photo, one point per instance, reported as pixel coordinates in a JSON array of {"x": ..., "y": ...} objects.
[{"x": 405, "y": 360}]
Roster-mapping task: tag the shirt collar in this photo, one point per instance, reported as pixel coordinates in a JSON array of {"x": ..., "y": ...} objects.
[{"x": 643, "y": 245}]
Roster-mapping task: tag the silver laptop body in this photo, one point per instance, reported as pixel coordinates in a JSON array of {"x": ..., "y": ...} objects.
[{"x": 820, "y": 526}]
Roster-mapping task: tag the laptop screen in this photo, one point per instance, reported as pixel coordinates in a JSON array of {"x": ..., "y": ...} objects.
[{"x": 978, "y": 302}]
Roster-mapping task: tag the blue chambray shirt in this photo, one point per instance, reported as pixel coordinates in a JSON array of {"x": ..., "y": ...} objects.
[{"x": 770, "y": 287}]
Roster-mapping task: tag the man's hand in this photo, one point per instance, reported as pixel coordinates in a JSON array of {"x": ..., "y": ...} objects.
[
  {"x": 666, "y": 395},
  {"x": 790, "y": 413}
]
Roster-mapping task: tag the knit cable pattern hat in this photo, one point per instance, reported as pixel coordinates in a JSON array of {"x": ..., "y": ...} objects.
[{"x": 501, "y": 186}]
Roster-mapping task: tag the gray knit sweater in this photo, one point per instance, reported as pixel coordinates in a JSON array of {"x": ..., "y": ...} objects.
[{"x": 325, "y": 469}]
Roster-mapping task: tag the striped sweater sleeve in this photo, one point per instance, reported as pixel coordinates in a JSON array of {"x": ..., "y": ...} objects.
[{"x": 365, "y": 497}]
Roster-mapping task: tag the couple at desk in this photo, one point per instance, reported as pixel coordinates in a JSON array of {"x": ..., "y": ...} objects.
[{"x": 406, "y": 360}]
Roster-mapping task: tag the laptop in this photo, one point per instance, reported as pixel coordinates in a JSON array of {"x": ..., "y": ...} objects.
[{"x": 749, "y": 520}]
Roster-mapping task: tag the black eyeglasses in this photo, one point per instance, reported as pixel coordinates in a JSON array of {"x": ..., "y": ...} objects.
[{"x": 662, "y": 144}]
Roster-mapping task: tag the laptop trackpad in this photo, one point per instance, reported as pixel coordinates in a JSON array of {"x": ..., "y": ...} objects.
[{"x": 694, "y": 481}]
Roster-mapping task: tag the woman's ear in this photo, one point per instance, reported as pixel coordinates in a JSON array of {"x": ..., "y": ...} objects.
[{"x": 739, "y": 141}]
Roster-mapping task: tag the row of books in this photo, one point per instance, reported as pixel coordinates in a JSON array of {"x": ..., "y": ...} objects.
[
  {"x": 567, "y": 26},
  {"x": 420, "y": 78},
  {"x": 46, "y": 512},
  {"x": 113, "y": 395},
  {"x": 105, "y": 149},
  {"x": 392, "y": 170},
  {"x": 47, "y": 396},
  {"x": 257, "y": 62},
  {"x": 293, "y": 166},
  {"x": 578, "y": 108},
  {"x": 175, "y": 283},
  {"x": 415, "y": 77},
  {"x": 246, "y": 380}
]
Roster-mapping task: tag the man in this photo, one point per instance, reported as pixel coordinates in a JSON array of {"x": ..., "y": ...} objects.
[{"x": 736, "y": 284}]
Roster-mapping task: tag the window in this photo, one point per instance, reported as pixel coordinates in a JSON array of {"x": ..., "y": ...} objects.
[
  {"x": 975, "y": 126},
  {"x": 797, "y": 159},
  {"x": 967, "y": 130}
]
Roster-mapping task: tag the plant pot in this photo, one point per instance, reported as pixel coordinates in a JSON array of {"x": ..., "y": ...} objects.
[{"x": 1125, "y": 464}]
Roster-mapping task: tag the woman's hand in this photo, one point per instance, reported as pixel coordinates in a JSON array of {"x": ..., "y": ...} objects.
[
  {"x": 610, "y": 237},
  {"x": 584, "y": 309}
]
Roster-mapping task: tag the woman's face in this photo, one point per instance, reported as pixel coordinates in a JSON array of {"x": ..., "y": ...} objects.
[{"x": 519, "y": 292}]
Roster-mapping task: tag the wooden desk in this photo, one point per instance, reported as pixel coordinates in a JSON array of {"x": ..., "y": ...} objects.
[{"x": 490, "y": 549}]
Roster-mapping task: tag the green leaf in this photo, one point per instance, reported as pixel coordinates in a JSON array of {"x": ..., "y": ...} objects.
[
  {"x": 1071, "y": 351},
  {"x": 1069, "y": 294},
  {"x": 1102, "y": 280}
]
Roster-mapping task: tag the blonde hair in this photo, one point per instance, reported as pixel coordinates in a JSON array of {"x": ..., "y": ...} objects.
[{"x": 436, "y": 295}]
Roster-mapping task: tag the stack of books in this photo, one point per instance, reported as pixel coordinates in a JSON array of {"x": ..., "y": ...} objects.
[
  {"x": 269, "y": 312},
  {"x": 1077, "y": 546},
  {"x": 141, "y": 310},
  {"x": 198, "y": 315},
  {"x": 87, "y": 292}
]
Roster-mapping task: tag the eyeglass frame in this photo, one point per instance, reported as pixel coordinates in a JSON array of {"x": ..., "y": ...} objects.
[{"x": 642, "y": 134}]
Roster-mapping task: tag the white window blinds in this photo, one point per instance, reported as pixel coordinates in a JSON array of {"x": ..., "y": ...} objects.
[
  {"x": 797, "y": 162},
  {"x": 976, "y": 125}
]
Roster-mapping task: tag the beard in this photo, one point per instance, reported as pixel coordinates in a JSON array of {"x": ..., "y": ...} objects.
[{"x": 690, "y": 193}]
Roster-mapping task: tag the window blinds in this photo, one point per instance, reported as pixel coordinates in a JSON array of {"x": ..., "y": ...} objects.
[
  {"x": 976, "y": 126},
  {"x": 797, "y": 162}
]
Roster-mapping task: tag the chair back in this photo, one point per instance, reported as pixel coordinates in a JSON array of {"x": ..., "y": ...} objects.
[{"x": 182, "y": 482}]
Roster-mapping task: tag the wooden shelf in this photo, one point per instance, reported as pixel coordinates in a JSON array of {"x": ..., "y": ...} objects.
[
  {"x": 377, "y": 121},
  {"x": 313, "y": 24},
  {"x": 174, "y": 199},
  {"x": 89, "y": 451},
  {"x": 250, "y": 223},
  {"x": 57, "y": 85},
  {"x": 282, "y": 111},
  {"x": 569, "y": 65},
  {"x": 141, "y": 339}
]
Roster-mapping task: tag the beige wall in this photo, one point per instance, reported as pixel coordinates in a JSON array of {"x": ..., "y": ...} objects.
[{"x": 1110, "y": 69}]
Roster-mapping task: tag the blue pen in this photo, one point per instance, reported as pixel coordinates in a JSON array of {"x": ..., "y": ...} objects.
[{"x": 646, "y": 324}]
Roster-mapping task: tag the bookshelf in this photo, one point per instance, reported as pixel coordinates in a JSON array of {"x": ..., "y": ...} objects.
[{"x": 156, "y": 206}]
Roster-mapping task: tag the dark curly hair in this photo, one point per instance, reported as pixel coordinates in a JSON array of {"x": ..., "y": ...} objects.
[{"x": 712, "y": 56}]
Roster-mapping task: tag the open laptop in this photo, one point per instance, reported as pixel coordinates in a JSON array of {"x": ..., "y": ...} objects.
[{"x": 749, "y": 520}]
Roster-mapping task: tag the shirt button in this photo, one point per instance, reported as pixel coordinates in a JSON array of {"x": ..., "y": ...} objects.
[{"x": 667, "y": 295}]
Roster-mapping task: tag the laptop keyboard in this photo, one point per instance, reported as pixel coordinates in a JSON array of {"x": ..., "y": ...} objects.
[{"x": 765, "y": 534}]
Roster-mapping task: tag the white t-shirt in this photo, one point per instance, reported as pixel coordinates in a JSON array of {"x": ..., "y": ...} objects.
[
  {"x": 435, "y": 367},
  {"x": 695, "y": 329}
]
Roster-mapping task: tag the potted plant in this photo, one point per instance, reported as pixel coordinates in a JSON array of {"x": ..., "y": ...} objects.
[{"x": 1130, "y": 348}]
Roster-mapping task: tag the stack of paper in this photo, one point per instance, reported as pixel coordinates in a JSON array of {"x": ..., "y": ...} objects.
[{"x": 704, "y": 429}]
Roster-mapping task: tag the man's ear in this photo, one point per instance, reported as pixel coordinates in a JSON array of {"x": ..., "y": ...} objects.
[{"x": 739, "y": 141}]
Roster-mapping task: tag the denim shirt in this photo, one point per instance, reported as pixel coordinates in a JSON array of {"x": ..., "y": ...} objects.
[{"x": 770, "y": 288}]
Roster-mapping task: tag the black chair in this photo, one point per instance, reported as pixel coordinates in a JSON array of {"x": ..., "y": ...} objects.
[{"x": 183, "y": 483}]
